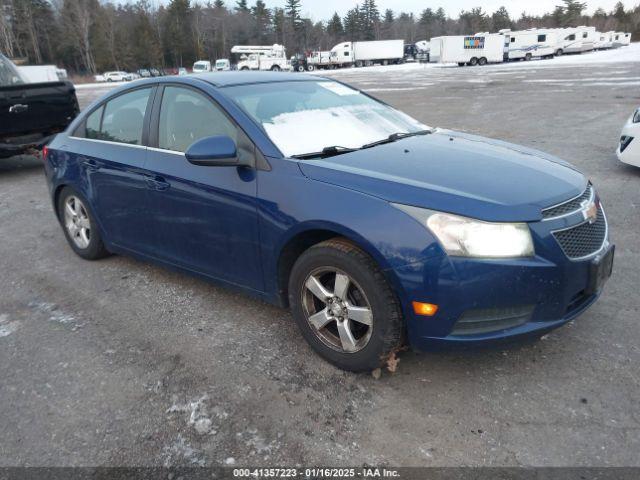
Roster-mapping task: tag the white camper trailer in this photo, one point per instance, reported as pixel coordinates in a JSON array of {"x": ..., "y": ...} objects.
[
  {"x": 604, "y": 40},
  {"x": 617, "y": 39},
  {"x": 261, "y": 57},
  {"x": 360, "y": 54},
  {"x": 533, "y": 43},
  {"x": 577, "y": 40},
  {"x": 468, "y": 50},
  {"x": 626, "y": 40}
]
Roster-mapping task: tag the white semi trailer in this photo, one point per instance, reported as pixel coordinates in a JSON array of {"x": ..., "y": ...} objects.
[
  {"x": 473, "y": 50},
  {"x": 361, "y": 54}
]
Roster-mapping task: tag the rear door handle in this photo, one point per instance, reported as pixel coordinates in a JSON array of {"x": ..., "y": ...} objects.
[
  {"x": 91, "y": 165},
  {"x": 18, "y": 108}
]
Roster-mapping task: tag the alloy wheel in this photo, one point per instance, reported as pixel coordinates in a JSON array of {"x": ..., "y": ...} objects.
[
  {"x": 337, "y": 310},
  {"x": 77, "y": 223}
]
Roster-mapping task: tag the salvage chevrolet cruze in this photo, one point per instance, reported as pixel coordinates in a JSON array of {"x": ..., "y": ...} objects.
[{"x": 373, "y": 228}]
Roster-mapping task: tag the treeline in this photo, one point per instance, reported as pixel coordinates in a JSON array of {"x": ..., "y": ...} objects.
[{"x": 89, "y": 36}]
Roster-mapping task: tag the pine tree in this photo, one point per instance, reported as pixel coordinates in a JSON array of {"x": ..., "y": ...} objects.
[
  {"x": 501, "y": 19},
  {"x": 241, "y": 6},
  {"x": 262, "y": 21},
  {"x": 334, "y": 27}
]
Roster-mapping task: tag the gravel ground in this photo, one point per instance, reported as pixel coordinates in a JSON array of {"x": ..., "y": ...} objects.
[{"x": 118, "y": 362}]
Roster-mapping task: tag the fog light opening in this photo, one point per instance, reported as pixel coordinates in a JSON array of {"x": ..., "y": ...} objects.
[{"x": 425, "y": 309}]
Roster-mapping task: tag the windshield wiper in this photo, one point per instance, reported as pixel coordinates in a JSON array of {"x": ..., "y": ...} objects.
[
  {"x": 396, "y": 136},
  {"x": 326, "y": 152}
]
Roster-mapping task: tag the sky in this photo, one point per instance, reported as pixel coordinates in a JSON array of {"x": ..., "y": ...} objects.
[{"x": 323, "y": 9}]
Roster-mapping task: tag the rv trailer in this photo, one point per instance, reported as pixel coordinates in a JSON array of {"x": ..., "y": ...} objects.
[{"x": 468, "y": 50}]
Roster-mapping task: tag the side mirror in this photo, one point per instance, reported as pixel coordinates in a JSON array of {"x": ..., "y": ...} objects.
[{"x": 218, "y": 151}]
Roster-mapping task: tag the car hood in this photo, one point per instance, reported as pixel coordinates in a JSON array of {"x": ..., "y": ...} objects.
[{"x": 457, "y": 173}]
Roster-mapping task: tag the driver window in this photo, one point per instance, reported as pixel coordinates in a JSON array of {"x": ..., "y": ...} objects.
[{"x": 187, "y": 116}]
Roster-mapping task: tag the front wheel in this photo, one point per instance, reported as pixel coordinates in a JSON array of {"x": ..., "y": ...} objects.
[
  {"x": 559, "y": 52},
  {"x": 344, "y": 306},
  {"x": 275, "y": 68},
  {"x": 80, "y": 226}
]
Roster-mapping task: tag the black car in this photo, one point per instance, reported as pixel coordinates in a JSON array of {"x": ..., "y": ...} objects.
[{"x": 31, "y": 113}]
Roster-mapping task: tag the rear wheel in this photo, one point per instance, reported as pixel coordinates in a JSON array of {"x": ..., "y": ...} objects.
[
  {"x": 79, "y": 225},
  {"x": 473, "y": 62},
  {"x": 311, "y": 68},
  {"x": 244, "y": 68},
  {"x": 461, "y": 64},
  {"x": 482, "y": 61},
  {"x": 344, "y": 306},
  {"x": 275, "y": 68},
  {"x": 527, "y": 57},
  {"x": 559, "y": 52}
]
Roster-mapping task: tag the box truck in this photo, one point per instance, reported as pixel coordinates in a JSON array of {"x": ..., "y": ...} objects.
[
  {"x": 261, "y": 57},
  {"x": 360, "y": 54},
  {"x": 468, "y": 50}
]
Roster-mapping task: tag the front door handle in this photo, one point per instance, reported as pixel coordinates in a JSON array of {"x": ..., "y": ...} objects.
[
  {"x": 18, "y": 108},
  {"x": 156, "y": 182}
]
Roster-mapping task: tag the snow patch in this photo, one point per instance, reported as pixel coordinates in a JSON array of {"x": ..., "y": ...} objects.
[
  {"x": 55, "y": 314},
  {"x": 198, "y": 417},
  {"x": 181, "y": 450},
  {"x": 7, "y": 327}
]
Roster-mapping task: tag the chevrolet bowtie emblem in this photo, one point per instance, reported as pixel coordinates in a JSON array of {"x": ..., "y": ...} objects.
[{"x": 590, "y": 211}]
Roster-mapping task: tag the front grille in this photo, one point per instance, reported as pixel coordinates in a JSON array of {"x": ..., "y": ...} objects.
[
  {"x": 485, "y": 320},
  {"x": 584, "y": 239},
  {"x": 571, "y": 206}
]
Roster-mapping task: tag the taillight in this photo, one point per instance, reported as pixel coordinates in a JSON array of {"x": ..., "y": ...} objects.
[{"x": 45, "y": 153}]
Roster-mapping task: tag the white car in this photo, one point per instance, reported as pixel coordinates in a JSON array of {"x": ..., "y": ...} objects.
[
  {"x": 629, "y": 147},
  {"x": 117, "y": 76}
]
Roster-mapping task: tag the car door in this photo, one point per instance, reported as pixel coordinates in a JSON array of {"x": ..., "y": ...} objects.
[
  {"x": 111, "y": 151},
  {"x": 205, "y": 217}
]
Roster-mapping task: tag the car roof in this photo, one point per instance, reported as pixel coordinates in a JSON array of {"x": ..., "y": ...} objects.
[{"x": 227, "y": 79}]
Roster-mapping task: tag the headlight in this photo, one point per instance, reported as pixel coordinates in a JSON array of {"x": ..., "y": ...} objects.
[{"x": 467, "y": 237}]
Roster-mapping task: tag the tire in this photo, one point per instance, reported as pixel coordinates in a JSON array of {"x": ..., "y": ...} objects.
[
  {"x": 461, "y": 64},
  {"x": 527, "y": 57},
  {"x": 482, "y": 61},
  {"x": 244, "y": 68},
  {"x": 368, "y": 297},
  {"x": 311, "y": 68},
  {"x": 275, "y": 68},
  {"x": 300, "y": 68},
  {"x": 473, "y": 62},
  {"x": 559, "y": 52},
  {"x": 82, "y": 233}
]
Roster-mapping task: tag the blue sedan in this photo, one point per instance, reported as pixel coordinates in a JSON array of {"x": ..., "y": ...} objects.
[{"x": 374, "y": 229}]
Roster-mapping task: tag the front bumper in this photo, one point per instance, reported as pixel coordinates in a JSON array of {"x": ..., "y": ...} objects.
[
  {"x": 552, "y": 288},
  {"x": 629, "y": 152}
]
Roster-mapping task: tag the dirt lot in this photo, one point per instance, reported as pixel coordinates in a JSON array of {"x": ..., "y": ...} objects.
[{"x": 122, "y": 363}]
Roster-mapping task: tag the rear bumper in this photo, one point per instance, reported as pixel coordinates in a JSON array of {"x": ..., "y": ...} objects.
[{"x": 10, "y": 147}]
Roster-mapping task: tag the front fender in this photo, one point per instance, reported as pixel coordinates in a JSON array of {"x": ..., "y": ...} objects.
[{"x": 390, "y": 236}]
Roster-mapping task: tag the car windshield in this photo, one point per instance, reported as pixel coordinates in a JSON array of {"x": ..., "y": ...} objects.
[
  {"x": 8, "y": 73},
  {"x": 306, "y": 117}
]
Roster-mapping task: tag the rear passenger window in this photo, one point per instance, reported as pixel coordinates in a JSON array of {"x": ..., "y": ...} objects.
[
  {"x": 124, "y": 117},
  {"x": 187, "y": 116},
  {"x": 92, "y": 128},
  {"x": 542, "y": 38}
]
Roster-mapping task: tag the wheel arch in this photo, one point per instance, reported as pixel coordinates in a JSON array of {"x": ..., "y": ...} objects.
[{"x": 307, "y": 236}]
